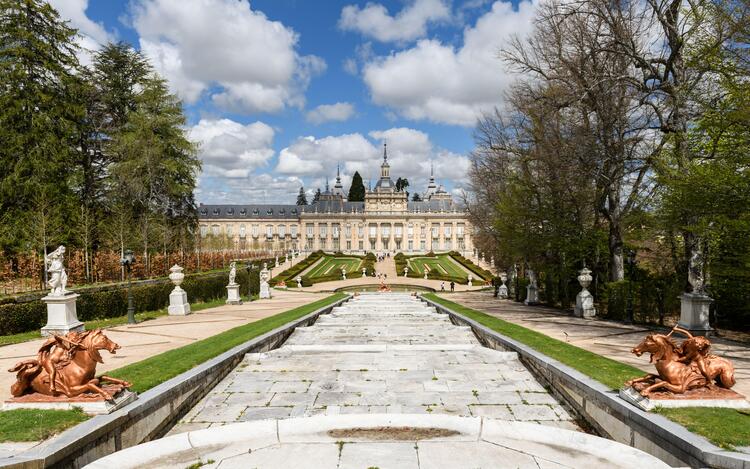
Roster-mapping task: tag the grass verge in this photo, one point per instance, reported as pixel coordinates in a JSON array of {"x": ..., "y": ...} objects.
[
  {"x": 35, "y": 424},
  {"x": 153, "y": 371},
  {"x": 609, "y": 372},
  {"x": 726, "y": 428}
]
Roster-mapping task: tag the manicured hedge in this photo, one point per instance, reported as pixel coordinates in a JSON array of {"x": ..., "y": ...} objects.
[
  {"x": 289, "y": 276},
  {"x": 483, "y": 274},
  {"x": 113, "y": 302},
  {"x": 368, "y": 264}
]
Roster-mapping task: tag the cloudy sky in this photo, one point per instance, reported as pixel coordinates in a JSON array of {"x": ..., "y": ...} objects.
[{"x": 280, "y": 92}]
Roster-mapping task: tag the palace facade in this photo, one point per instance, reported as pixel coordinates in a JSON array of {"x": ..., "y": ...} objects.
[{"x": 385, "y": 222}]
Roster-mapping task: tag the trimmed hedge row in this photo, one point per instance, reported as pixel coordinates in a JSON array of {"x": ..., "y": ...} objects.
[
  {"x": 483, "y": 274},
  {"x": 289, "y": 276},
  {"x": 109, "y": 303}
]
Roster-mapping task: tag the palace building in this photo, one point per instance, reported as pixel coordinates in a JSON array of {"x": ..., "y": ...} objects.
[{"x": 385, "y": 222}]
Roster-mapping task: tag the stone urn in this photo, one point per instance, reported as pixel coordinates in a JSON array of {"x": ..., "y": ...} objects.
[
  {"x": 299, "y": 281},
  {"x": 176, "y": 276},
  {"x": 364, "y": 272},
  {"x": 343, "y": 274},
  {"x": 502, "y": 292},
  {"x": 470, "y": 279},
  {"x": 178, "y": 300},
  {"x": 406, "y": 271},
  {"x": 585, "y": 300}
]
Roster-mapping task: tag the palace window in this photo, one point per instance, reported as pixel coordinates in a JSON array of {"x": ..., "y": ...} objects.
[
  {"x": 373, "y": 232},
  {"x": 460, "y": 230},
  {"x": 435, "y": 230},
  {"x": 282, "y": 231},
  {"x": 348, "y": 230},
  {"x": 335, "y": 230},
  {"x": 398, "y": 245},
  {"x": 229, "y": 230},
  {"x": 310, "y": 230},
  {"x": 348, "y": 245},
  {"x": 399, "y": 230},
  {"x": 411, "y": 245},
  {"x": 422, "y": 245},
  {"x": 242, "y": 231},
  {"x": 410, "y": 230},
  {"x": 269, "y": 231},
  {"x": 461, "y": 244},
  {"x": 361, "y": 245},
  {"x": 323, "y": 230},
  {"x": 372, "y": 245},
  {"x": 385, "y": 243},
  {"x": 386, "y": 231},
  {"x": 360, "y": 231},
  {"x": 447, "y": 231},
  {"x": 215, "y": 230},
  {"x": 294, "y": 231},
  {"x": 255, "y": 231},
  {"x": 204, "y": 231}
]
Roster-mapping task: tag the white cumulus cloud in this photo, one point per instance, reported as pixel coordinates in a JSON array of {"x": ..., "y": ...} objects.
[
  {"x": 246, "y": 62},
  {"x": 230, "y": 149},
  {"x": 410, "y": 23},
  {"x": 337, "y": 112},
  {"x": 410, "y": 154},
  {"x": 437, "y": 82}
]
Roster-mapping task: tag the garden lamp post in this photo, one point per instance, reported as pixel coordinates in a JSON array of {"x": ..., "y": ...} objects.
[
  {"x": 127, "y": 261},
  {"x": 630, "y": 259}
]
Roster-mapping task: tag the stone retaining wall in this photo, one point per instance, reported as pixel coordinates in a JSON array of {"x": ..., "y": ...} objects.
[
  {"x": 155, "y": 411},
  {"x": 603, "y": 410}
]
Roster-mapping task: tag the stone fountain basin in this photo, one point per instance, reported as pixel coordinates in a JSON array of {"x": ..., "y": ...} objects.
[{"x": 381, "y": 440}]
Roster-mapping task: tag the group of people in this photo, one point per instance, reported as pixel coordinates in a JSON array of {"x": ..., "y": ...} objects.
[{"x": 382, "y": 257}]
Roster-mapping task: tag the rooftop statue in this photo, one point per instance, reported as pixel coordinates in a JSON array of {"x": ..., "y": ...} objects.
[
  {"x": 683, "y": 367},
  {"x": 66, "y": 365}
]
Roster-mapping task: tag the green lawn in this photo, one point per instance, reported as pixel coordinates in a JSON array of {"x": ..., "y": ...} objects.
[
  {"x": 155, "y": 370},
  {"x": 443, "y": 264},
  {"x": 329, "y": 265},
  {"x": 35, "y": 425},
  {"x": 726, "y": 428}
]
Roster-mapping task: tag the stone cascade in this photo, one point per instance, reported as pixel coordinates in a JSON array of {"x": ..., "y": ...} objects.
[{"x": 379, "y": 353}]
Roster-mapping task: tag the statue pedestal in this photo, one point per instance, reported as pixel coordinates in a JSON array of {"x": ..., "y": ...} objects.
[
  {"x": 178, "y": 303},
  {"x": 585, "y": 305},
  {"x": 532, "y": 295},
  {"x": 694, "y": 309},
  {"x": 233, "y": 294},
  {"x": 265, "y": 291},
  {"x": 502, "y": 292},
  {"x": 61, "y": 315},
  {"x": 701, "y": 397},
  {"x": 90, "y": 403}
]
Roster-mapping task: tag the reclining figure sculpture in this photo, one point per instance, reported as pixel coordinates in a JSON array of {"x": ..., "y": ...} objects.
[
  {"x": 66, "y": 365},
  {"x": 682, "y": 367}
]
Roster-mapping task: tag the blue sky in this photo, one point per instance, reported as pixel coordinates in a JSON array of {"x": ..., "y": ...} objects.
[{"x": 279, "y": 93}]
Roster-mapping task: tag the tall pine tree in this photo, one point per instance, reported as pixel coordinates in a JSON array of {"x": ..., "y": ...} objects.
[{"x": 38, "y": 116}]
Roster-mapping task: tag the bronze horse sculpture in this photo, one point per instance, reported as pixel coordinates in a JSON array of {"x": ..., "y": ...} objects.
[
  {"x": 682, "y": 367},
  {"x": 66, "y": 365}
]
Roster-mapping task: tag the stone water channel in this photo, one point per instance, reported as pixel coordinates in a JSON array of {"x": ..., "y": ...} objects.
[{"x": 390, "y": 363}]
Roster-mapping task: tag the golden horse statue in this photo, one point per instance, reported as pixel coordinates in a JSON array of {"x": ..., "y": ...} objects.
[
  {"x": 66, "y": 365},
  {"x": 682, "y": 367}
]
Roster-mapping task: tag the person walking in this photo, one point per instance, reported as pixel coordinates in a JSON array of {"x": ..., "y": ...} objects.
[
  {"x": 442, "y": 286},
  {"x": 453, "y": 286}
]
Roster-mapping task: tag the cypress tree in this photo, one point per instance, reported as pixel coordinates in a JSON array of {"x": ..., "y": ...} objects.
[{"x": 357, "y": 189}]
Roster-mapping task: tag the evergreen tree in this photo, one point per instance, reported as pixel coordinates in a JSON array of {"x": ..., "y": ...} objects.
[
  {"x": 156, "y": 164},
  {"x": 357, "y": 189},
  {"x": 38, "y": 115},
  {"x": 316, "y": 197},
  {"x": 416, "y": 197},
  {"x": 301, "y": 197}
]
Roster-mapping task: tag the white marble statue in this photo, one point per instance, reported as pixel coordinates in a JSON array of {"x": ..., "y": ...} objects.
[
  {"x": 265, "y": 276},
  {"x": 56, "y": 269},
  {"x": 232, "y": 273}
]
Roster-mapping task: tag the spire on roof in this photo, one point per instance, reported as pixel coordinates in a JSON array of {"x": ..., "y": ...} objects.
[
  {"x": 385, "y": 152},
  {"x": 327, "y": 184}
]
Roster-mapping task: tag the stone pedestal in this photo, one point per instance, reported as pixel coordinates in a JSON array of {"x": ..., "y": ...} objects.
[
  {"x": 502, "y": 292},
  {"x": 585, "y": 305},
  {"x": 61, "y": 315},
  {"x": 178, "y": 303},
  {"x": 532, "y": 295},
  {"x": 694, "y": 309},
  {"x": 233, "y": 294}
]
